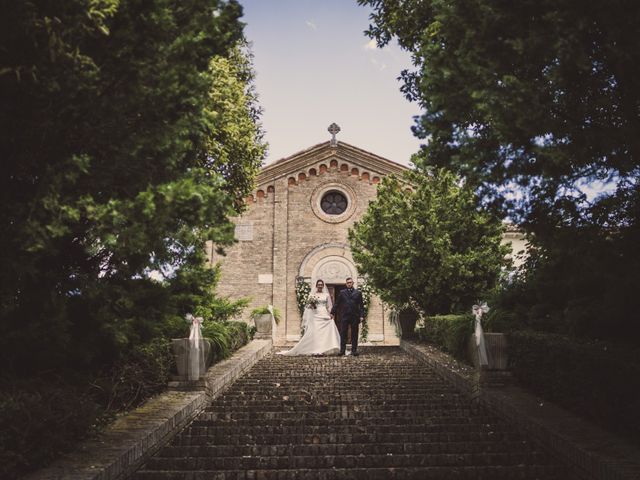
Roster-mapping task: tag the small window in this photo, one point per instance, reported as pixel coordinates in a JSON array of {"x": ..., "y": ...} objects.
[{"x": 333, "y": 203}]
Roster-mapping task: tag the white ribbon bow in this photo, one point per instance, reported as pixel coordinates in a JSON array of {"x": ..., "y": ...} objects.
[
  {"x": 196, "y": 359},
  {"x": 270, "y": 308},
  {"x": 195, "y": 333},
  {"x": 478, "y": 310}
]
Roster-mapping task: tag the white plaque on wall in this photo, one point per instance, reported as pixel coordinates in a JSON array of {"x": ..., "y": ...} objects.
[
  {"x": 265, "y": 278},
  {"x": 244, "y": 232}
]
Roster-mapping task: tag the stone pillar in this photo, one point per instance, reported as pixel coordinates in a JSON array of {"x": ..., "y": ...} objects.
[
  {"x": 494, "y": 375},
  {"x": 280, "y": 247}
]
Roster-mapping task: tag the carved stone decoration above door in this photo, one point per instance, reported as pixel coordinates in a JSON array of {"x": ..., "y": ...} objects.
[
  {"x": 334, "y": 269},
  {"x": 332, "y": 262}
]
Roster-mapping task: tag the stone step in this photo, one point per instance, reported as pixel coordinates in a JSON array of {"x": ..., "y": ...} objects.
[
  {"x": 388, "y": 460},
  {"x": 306, "y": 397},
  {"x": 426, "y": 395},
  {"x": 415, "y": 382},
  {"x": 346, "y": 417},
  {"x": 520, "y": 472},
  {"x": 381, "y": 416},
  {"x": 398, "y": 391},
  {"x": 329, "y": 411},
  {"x": 329, "y": 436},
  {"x": 286, "y": 402},
  {"x": 310, "y": 422},
  {"x": 301, "y": 449}
]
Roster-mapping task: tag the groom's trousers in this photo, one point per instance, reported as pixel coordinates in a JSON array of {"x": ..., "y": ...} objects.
[{"x": 344, "y": 330}]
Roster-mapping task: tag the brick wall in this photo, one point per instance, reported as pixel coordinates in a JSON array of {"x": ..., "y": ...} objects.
[{"x": 285, "y": 230}]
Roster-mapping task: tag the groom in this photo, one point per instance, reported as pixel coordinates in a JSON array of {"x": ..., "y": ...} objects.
[{"x": 350, "y": 306}]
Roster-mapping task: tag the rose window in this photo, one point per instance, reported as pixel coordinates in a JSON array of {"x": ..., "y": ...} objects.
[{"x": 333, "y": 203}]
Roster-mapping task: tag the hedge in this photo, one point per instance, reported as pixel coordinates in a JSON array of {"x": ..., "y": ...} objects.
[
  {"x": 593, "y": 379},
  {"x": 449, "y": 332},
  {"x": 44, "y": 417},
  {"x": 596, "y": 380}
]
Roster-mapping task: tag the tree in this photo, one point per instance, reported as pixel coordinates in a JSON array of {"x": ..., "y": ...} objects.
[
  {"x": 536, "y": 104},
  {"x": 538, "y": 96},
  {"x": 130, "y": 133},
  {"x": 425, "y": 243}
]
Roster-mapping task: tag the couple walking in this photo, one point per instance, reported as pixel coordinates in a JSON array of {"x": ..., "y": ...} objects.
[{"x": 320, "y": 333}]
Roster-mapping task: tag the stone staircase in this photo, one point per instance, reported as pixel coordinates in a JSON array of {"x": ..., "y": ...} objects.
[{"x": 382, "y": 415}]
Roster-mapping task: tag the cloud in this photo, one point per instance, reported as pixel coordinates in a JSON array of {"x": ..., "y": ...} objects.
[
  {"x": 311, "y": 24},
  {"x": 370, "y": 45},
  {"x": 379, "y": 65}
]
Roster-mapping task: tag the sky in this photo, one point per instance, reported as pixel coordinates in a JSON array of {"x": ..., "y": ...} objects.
[{"x": 315, "y": 66}]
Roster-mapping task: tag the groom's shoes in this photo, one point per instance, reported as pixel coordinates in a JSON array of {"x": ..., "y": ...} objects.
[
  {"x": 341, "y": 354},
  {"x": 354, "y": 354}
]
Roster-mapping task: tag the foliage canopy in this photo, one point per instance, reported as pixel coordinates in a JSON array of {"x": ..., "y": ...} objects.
[
  {"x": 130, "y": 133},
  {"x": 536, "y": 104},
  {"x": 423, "y": 242},
  {"x": 534, "y": 97}
]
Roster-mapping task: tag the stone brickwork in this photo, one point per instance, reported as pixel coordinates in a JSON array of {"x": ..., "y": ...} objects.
[
  {"x": 285, "y": 234},
  {"x": 380, "y": 416}
]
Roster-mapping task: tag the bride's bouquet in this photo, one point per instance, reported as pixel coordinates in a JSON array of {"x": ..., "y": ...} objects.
[{"x": 312, "y": 302}]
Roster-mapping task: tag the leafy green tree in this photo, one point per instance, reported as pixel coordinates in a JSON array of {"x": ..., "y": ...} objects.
[
  {"x": 541, "y": 96},
  {"x": 130, "y": 133},
  {"x": 424, "y": 242},
  {"x": 536, "y": 104}
]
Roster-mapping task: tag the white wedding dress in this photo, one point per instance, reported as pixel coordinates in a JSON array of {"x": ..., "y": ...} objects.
[{"x": 321, "y": 335}]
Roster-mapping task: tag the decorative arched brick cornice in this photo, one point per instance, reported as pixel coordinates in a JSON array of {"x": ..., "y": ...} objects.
[
  {"x": 322, "y": 157},
  {"x": 319, "y": 160}
]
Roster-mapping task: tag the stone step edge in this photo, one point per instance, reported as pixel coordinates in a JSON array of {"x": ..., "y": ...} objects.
[
  {"x": 592, "y": 453},
  {"x": 134, "y": 437}
]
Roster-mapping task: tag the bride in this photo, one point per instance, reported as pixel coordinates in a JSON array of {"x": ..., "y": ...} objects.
[{"x": 320, "y": 332}]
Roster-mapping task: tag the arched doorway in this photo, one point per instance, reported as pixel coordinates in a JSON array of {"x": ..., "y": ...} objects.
[{"x": 331, "y": 262}]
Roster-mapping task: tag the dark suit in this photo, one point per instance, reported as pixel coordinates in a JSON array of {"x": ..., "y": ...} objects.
[{"x": 350, "y": 309}]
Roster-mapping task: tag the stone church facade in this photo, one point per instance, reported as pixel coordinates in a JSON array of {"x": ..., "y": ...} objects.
[{"x": 295, "y": 229}]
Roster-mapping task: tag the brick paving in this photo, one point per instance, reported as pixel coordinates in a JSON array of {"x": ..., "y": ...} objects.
[{"x": 382, "y": 415}]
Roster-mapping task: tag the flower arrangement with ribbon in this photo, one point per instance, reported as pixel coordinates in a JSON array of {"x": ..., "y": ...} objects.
[
  {"x": 303, "y": 289},
  {"x": 478, "y": 310},
  {"x": 196, "y": 347}
]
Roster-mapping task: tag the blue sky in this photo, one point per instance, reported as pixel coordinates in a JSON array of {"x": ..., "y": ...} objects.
[{"x": 315, "y": 66}]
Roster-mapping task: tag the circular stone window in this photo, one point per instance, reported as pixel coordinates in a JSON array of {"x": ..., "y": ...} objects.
[{"x": 334, "y": 203}]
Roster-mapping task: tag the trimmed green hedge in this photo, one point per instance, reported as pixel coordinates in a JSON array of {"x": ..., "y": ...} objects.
[
  {"x": 596, "y": 380},
  {"x": 449, "y": 332},
  {"x": 226, "y": 337}
]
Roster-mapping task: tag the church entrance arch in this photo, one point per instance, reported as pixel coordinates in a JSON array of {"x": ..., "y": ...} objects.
[{"x": 331, "y": 262}]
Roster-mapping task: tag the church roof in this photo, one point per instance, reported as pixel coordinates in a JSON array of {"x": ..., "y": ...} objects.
[{"x": 324, "y": 153}]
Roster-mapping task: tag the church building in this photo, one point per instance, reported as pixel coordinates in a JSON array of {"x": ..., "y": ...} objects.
[{"x": 295, "y": 230}]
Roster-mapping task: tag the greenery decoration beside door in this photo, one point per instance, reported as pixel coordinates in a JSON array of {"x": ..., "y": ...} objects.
[
  {"x": 365, "y": 289},
  {"x": 303, "y": 289}
]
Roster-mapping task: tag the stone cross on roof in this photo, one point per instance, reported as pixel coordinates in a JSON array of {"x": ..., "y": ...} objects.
[{"x": 333, "y": 129}]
